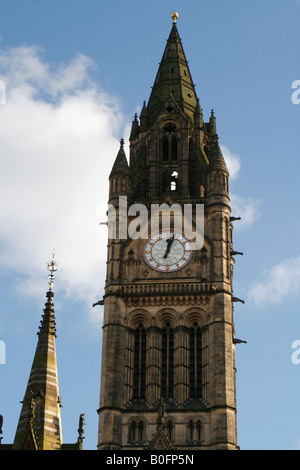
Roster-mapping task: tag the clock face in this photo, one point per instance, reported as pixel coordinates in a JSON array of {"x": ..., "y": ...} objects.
[{"x": 167, "y": 251}]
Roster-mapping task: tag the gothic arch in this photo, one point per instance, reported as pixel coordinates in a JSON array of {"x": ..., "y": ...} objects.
[
  {"x": 137, "y": 317},
  {"x": 167, "y": 315},
  {"x": 137, "y": 418},
  {"x": 137, "y": 430},
  {"x": 174, "y": 118},
  {"x": 170, "y": 422},
  {"x": 195, "y": 315},
  {"x": 195, "y": 430}
]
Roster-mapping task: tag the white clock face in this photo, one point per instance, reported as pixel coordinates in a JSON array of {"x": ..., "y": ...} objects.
[{"x": 167, "y": 251}]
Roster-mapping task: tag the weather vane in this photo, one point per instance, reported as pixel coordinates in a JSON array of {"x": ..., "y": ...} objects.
[{"x": 52, "y": 266}]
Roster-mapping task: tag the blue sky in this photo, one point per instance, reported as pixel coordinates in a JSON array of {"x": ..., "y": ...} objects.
[{"x": 75, "y": 74}]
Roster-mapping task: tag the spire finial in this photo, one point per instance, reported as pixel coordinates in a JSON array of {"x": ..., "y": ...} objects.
[
  {"x": 52, "y": 266},
  {"x": 174, "y": 16},
  {"x": 122, "y": 143}
]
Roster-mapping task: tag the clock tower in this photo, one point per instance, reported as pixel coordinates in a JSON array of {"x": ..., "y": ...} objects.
[{"x": 168, "y": 354}]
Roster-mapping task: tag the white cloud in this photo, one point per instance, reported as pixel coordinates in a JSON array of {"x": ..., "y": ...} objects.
[
  {"x": 279, "y": 282},
  {"x": 58, "y": 138},
  {"x": 246, "y": 208},
  {"x": 233, "y": 162}
]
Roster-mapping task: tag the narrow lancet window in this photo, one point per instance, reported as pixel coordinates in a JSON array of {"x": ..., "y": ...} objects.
[
  {"x": 167, "y": 362},
  {"x": 195, "y": 362},
  {"x": 139, "y": 372}
]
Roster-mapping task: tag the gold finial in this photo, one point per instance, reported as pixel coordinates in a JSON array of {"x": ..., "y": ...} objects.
[
  {"x": 174, "y": 16},
  {"x": 52, "y": 266}
]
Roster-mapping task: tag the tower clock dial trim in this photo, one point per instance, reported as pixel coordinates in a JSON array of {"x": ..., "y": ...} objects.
[{"x": 167, "y": 251}]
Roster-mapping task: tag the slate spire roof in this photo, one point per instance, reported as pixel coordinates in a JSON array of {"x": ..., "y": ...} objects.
[{"x": 173, "y": 78}]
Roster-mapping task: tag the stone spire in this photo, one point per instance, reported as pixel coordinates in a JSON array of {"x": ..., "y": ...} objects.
[
  {"x": 39, "y": 424},
  {"x": 119, "y": 178},
  {"x": 173, "y": 78},
  {"x": 120, "y": 166},
  {"x": 217, "y": 162}
]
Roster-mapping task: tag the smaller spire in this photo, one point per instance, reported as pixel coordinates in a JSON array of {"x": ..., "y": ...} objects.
[
  {"x": 198, "y": 115},
  {"x": 134, "y": 128},
  {"x": 217, "y": 162},
  {"x": 120, "y": 166},
  {"x": 212, "y": 123},
  {"x": 144, "y": 121}
]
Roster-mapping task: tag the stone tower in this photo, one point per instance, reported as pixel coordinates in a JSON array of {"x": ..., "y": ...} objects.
[{"x": 168, "y": 358}]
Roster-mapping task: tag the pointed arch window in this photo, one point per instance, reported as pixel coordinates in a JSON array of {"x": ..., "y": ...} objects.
[
  {"x": 194, "y": 432},
  {"x": 198, "y": 431},
  {"x": 139, "y": 370},
  {"x": 132, "y": 433},
  {"x": 195, "y": 362},
  {"x": 136, "y": 433},
  {"x": 167, "y": 362},
  {"x": 141, "y": 432},
  {"x": 191, "y": 432}
]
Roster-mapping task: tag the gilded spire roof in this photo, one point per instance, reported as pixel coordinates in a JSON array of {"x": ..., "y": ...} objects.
[{"x": 173, "y": 78}]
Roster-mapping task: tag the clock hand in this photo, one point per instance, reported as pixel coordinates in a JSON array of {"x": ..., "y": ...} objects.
[{"x": 169, "y": 244}]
